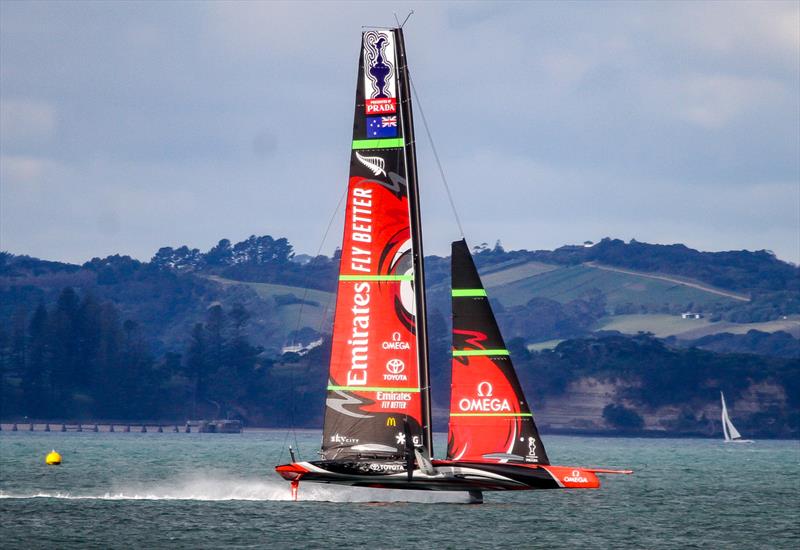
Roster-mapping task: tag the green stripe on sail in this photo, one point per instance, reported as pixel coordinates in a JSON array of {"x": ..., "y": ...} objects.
[
  {"x": 468, "y": 292},
  {"x": 372, "y": 388},
  {"x": 376, "y": 277},
  {"x": 492, "y": 414},
  {"x": 471, "y": 352},
  {"x": 390, "y": 143}
]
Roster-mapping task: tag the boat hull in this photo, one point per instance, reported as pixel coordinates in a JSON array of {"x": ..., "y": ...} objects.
[{"x": 447, "y": 475}]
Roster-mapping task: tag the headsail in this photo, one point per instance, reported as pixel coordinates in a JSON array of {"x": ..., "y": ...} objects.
[
  {"x": 378, "y": 370},
  {"x": 728, "y": 429},
  {"x": 489, "y": 415}
]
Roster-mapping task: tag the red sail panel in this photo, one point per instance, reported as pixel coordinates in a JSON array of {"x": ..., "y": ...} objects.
[
  {"x": 489, "y": 415},
  {"x": 374, "y": 382},
  {"x": 485, "y": 414}
]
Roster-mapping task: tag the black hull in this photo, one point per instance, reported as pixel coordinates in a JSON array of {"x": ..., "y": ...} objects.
[{"x": 447, "y": 475}]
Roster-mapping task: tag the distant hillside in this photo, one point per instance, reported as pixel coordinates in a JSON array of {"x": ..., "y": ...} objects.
[
  {"x": 625, "y": 291},
  {"x": 633, "y": 385},
  {"x": 254, "y": 297},
  {"x": 740, "y": 271},
  {"x": 541, "y": 295},
  {"x": 721, "y": 286},
  {"x": 638, "y": 384}
]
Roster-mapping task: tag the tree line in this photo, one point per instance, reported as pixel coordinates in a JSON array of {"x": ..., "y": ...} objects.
[{"x": 79, "y": 359}]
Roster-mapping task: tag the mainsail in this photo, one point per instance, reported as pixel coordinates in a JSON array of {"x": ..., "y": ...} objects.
[
  {"x": 489, "y": 416},
  {"x": 378, "y": 393},
  {"x": 730, "y": 431}
]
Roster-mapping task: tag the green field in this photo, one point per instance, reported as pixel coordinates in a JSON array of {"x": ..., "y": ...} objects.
[
  {"x": 661, "y": 325},
  {"x": 316, "y": 312},
  {"x": 564, "y": 284},
  {"x": 539, "y": 346},
  {"x": 506, "y": 275},
  {"x": 673, "y": 325}
]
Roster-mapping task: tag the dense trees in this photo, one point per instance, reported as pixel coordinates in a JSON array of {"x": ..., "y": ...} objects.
[{"x": 79, "y": 359}]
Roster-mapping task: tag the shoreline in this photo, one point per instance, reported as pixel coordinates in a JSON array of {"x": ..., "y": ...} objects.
[{"x": 172, "y": 427}]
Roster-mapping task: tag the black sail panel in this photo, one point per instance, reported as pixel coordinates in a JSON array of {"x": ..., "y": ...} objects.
[{"x": 489, "y": 415}]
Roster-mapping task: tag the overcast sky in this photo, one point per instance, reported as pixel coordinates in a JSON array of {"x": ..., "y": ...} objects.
[{"x": 130, "y": 126}]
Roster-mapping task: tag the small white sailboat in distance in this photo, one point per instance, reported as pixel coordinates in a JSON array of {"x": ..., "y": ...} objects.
[{"x": 732, "y": 435}]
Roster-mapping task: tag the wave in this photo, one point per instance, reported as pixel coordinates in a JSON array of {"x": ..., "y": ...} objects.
[{"x": 221, "y": 488}]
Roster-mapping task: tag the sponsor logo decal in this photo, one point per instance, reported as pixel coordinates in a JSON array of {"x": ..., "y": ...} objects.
[
  {"x": 376, "y": 165},
  {"x": 381, "y": 467},
  {"x": 532, "y": 449},
  {"x": 393, "y": 399},
  {"x": 381, "y": 126},
  {"x": 359, "y": 343},
  {"x": 360, "y": 260},
  {"x": 343, "y": 439},
  {"x": 394, "y": 371},
  {"x": 391, "y": 421},
  {"x": 485, "y": 401},
  {"x": 400, "y": 437},
  {"x": 576, "y": 477},
  {"x": 396, "y": 343},
  {"x": 361, "y": 229},
  {"x": 381, "y": 106},
  {"x": 379, "y": 71}
]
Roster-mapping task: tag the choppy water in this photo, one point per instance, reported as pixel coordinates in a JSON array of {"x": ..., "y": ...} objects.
[{"x": 199, "y": 490}]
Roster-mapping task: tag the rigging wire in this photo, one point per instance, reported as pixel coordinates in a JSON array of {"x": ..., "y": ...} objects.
[
  {"x": 399, "y": 24},
  {"x": 306, "y": 289},
  {"x": 319, "y": 251},
  {"x": 436, "y": 157}
]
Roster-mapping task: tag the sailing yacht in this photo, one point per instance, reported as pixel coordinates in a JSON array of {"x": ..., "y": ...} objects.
[
  {"x": 377, "y": 427},
  {"x": 732, "y": 435}
]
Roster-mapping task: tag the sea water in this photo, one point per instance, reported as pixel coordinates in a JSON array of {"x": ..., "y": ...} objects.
[{"x": 122, "y": 490}]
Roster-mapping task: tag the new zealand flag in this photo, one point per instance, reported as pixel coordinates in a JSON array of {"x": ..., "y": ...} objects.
[{"x": 381, "y": 126}]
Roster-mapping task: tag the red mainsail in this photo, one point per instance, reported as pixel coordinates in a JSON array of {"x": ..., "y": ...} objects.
[{"x": 376, "y": 389}]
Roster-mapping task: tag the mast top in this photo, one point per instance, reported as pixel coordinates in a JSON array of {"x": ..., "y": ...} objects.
[{"x": 401, "y": 25}]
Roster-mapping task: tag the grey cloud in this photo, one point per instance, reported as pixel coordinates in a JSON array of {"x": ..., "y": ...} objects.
[{"x": 183, "y": 123}]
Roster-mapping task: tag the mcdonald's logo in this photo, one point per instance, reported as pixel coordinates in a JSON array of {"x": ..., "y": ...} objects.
[{"x": 391, "y": 421}]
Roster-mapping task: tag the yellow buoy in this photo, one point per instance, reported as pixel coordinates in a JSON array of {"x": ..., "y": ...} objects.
[{"x": 53, "y": 458}]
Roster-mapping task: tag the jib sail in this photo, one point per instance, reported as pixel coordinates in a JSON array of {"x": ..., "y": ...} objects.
[
  {"x": 489, "y": 416},
  {"x": 377, "y": 387}
]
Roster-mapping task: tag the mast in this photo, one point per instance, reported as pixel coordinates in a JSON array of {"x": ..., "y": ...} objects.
[{"x": 407, "y": 122}]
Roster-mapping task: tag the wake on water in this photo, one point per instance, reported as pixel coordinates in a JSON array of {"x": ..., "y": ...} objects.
[{"x": 221, "y": 488}]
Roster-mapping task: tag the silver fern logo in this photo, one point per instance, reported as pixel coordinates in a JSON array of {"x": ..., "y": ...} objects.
[{"x": 375, "y": 165}]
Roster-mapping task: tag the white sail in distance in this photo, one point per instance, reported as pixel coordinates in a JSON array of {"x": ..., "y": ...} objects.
[{"x": 730, "y": 431}]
